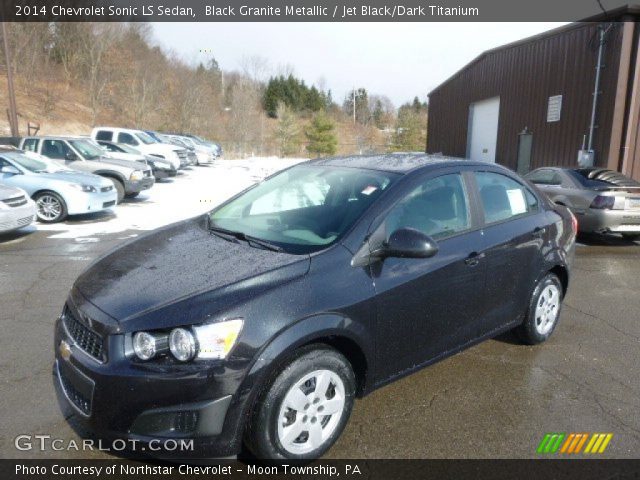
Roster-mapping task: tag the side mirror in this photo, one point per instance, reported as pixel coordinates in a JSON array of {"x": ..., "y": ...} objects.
[
  {"x": 10, "y": 169},
  {"x": 407, "y": 243},
  {"x": 71, "y": 156}
]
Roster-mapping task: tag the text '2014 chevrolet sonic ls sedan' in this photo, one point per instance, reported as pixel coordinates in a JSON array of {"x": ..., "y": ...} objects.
[{"x": 260, "y": 322}]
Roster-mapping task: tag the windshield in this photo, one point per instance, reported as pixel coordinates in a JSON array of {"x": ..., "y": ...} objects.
[
  {"x": 32, "y": 164},
  {"x": 128, "y": 149},
  {"x": 87, "y": 149},
  {"x": 144, "y": 138},
  {"x": 305, "y": 208}
]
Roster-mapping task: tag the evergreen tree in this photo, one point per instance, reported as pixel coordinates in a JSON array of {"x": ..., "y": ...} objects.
[{"x": 320, "y": 135}]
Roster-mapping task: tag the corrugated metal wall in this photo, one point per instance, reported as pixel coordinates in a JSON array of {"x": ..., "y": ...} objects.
[{"x": 524, "y": 76}]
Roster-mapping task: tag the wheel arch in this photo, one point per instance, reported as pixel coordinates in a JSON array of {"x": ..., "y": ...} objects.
[
  {"x": 562, "y": 272},
  {"x": 111, "y": 174},
  {"x": 336, "y": 331}
]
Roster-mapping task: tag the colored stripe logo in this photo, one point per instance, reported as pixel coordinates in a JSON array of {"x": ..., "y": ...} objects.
[{"x": 573, "y": 443}]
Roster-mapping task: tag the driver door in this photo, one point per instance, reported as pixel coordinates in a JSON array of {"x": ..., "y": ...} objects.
[{"x": 427, "y": 307}]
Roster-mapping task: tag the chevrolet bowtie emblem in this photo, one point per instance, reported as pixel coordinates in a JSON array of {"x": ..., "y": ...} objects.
[{"x": 65, "y": 350}]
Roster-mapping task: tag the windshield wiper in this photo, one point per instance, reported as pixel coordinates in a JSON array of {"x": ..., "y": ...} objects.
[{"x": 231, "y": 235}]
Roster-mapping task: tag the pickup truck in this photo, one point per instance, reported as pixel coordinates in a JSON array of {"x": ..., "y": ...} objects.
[
  {"x": 78, "y": 153},
  {"x": 142, "y": 142}
]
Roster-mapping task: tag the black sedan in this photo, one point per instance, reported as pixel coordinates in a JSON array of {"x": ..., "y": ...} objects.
[{"x": 261, "y": 322}]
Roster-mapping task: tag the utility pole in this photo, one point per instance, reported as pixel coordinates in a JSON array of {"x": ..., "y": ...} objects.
[{"x": 13, "y": 110}]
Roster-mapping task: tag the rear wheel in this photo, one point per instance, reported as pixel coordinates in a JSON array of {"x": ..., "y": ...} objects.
[
  {"x": 544, "y": 311},
  {"x": 305, "y": 408},
  {"x": 50, "y": 207},
  {"x": 118, "y": 185}
]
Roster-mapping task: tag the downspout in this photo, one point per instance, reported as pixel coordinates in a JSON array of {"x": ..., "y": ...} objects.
[{"x": 596, "y": 90}]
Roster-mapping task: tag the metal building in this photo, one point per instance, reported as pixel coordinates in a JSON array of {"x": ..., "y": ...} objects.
[{"x": 531, "y": 103}]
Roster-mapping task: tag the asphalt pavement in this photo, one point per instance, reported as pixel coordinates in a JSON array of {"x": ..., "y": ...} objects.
[{"x": 495, "y": 400}]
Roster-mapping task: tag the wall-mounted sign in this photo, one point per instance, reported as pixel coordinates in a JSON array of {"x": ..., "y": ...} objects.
[{"x": 554, "y": 107}]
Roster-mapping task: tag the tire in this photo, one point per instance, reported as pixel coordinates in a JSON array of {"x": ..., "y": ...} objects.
[
  {"x": 119, "y": 186},
  {"x": 284, "y": 405},
  {"x": 132, "y": 195},
  {"x": 50, "y": 207},
  {"x": 543, "y": 312},
  {"x": 631, "y": 236}
]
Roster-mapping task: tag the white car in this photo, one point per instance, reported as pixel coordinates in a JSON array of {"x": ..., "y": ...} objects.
[
  {"x": 143, "y": 142},
  {"x": 17, "y": 210}
]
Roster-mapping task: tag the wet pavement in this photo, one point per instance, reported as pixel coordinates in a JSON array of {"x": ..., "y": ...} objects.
[{"x": 497, "y": 399}]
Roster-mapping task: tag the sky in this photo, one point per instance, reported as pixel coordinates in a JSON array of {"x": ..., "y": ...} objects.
[{"x": 399, "y": 60}]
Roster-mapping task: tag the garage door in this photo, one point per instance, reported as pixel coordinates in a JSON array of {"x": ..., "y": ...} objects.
[{"x": 483, "y": 129}]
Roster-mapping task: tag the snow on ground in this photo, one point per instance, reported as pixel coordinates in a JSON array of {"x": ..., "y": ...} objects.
[{"x": 193, "y": 192}]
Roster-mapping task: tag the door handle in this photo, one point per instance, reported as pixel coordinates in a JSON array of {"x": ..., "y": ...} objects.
[
  {"x": 473, "y": 259},
  {"x": 539, "y": 232}
]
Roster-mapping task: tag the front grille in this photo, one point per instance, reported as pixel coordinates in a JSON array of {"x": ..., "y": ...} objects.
[
  {"x": 106, "y": 189},
  {"x": 182, "y": 154},
  {"x": 85, "y": 338},
  {"x": 109, "y": 204},
  {"x": 25, "y": 221},
  {"x": 15, "y": 201},
  {"x": 74, "y": 396},
  {"x": 147, "y": 173}
]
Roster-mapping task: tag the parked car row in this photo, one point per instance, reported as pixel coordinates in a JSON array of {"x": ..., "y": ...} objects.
[{"x": 50, "y": 177}]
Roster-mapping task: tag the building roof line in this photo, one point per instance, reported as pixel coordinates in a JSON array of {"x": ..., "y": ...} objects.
[{"x": 614, "y": 13}]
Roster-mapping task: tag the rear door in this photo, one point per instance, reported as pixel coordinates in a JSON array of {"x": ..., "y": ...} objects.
[
  {"x": 428, "y": 306},
  {"x": 514, "y": 234}
]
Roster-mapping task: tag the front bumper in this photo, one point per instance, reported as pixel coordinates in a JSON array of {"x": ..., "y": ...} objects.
[
  {"x": 84, "y": 202},
  {"x": 609, "y": 221},
  {"x": 17, "y": 217},
  {"x": 138, "y": 186},
  {"x": 118, "y": 397}
]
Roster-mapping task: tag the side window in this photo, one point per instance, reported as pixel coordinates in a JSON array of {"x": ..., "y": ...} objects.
[
  {"x": 503, "y": 198},
  {"x": 104, "y": 135},
  {"x": 55, "y": 149},
  {"x": 545, "y": 177},
  {"x": 438, "y": 208},
  {"x": 30, "y": 145},
  {"x": 124, "y": 137}
]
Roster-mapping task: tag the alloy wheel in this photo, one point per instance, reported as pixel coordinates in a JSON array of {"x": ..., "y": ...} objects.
[
  {"x": 49, "y": 207},
  {"x": 311, "y": 412},
  {"x": 547, "y": 309}
]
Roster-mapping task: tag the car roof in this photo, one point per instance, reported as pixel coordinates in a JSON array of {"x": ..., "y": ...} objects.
[{"x": 397, "y": 162}]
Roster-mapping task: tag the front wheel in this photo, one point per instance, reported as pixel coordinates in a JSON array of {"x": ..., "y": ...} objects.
[
  {"x": 305, "y": 408},
  {"x": 119, "y": 186},
  {"x": 544, "y": 311},
  {"x": 50, "y": 207}
]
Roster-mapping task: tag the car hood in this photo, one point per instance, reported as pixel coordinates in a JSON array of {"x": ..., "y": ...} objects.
[
  {"x": 75, "y": 177},
  {"x": 167, "y": 267},
  {"x": 9, "y": 192},
  {"x": 121, "y": 162}
]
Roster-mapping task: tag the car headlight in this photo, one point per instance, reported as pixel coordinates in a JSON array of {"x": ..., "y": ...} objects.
[
  {"x": 136, "y": 175},
  {"x": 148, "y": 345},
  {"x": 207, "y": 342},
  {"x": 84, "y": 188}
]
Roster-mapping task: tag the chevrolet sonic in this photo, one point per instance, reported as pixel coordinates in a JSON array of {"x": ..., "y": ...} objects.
[{"x": 259, "y": 323}]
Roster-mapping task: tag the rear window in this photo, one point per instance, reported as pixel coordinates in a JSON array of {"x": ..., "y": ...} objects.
[
  {"x": 104, "y": 135},
  {"x": 600, "y": 177}
]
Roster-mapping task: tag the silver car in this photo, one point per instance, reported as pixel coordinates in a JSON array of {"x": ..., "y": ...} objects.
[
  {"x": 57, "y": 191},
  {"x": 17, "y": 210},
  {"x": 604, "y": 201}
]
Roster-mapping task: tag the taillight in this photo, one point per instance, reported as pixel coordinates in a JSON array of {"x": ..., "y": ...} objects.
[
  {"x": 603, "y": 202},
  {"x": 574, "y": 222}
]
